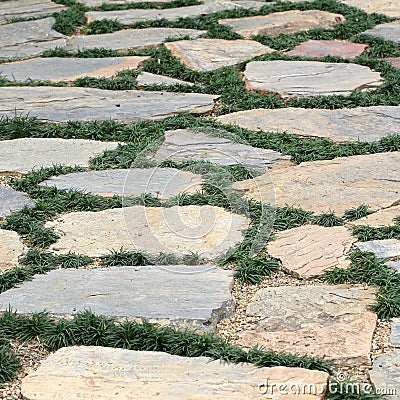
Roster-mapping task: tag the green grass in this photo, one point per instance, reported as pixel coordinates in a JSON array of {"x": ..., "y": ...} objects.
[{"x": 10, "y": 364}]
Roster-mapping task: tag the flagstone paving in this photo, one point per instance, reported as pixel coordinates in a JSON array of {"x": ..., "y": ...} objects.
[
  {"x": 387, "y": 31},
  {"x": 395, "y": 265},
  {"x": 387, "y": 248},
  {"x": 11, "y": 200},
  {"x": 381, "y": 218},
  {"x": 10, "y": 250},
  {"x": 393, "y": 61},
  {"x": 385, "y": 373},
  {"x": 390, "y": 8},
  {"x": 97, "y": 3},
  {"x": 146, "y": 78},
  {"x": 395, "y": 333}
]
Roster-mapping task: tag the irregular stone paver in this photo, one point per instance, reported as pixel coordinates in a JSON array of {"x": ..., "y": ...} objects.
[
  {"x": 365, "y": 124},
  {"x": 282, "y": 22},
  {"x": 393, "y": 61},
  {"x": 395, "y": 333},
  {"x": 309, "y": 78},
  {"x": 387, "y": 248},
  {"x": 29, "y": 38},
  {"x": 67, "y": 69},
  {"x": 206, "y": 230},
  {"x": 146, "y": 78},
  {"x": 10, "y": 250},
  {"x": 385, "y": 374},
  {"x": 160, "y": 182},
  {"x": 380, "y": 218},
  {"x": 11, "y": 200},
  {"x": 106, "y": 373},
  {"x": 52, "y": 151},
  {"x": 395, "y": 265},
  {"x": 87, "y": 104},
  {"x": 323, "y": 48},
  {"x": 184, "y": 144},
  {"x": 387, "y": 7},
  {"x": 337, "y": 185},
  {"x": 210, "y": 54},
  {"x": 96, "y": 3},
  {"x": 331, "y": 321},
  {"x": 388, "y": 31},
  {"x": 310, "y": 250},
  {"x": 182, "y": 293}
]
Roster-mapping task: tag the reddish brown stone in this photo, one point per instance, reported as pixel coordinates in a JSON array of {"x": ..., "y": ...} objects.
[{"x": 394, "y": 61}]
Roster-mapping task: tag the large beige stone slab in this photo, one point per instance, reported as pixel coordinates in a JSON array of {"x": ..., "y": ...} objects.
[
  {"x": 86, "y": 104},
  {"x": 282, "y": 22},
  {"x": 331, "y": 321},
  {"x": 210, "y": 54},
  {"x": 337, "y": 185},
  {"x": 387, "y": 7},
  {"x": 11, "y": 200},
  {"x": 10, "y": 250},
  {"x": 105, "y": 373},
  {"x": 387, "y": 31},
  {"x": 146, "y": 79},
  {"x": 309, "y": 78},
  {"x": 206, "y": 230},
  {"x": 310, "y": 250},
  {"x": 365, "y": 124},
  {"x": 381, "y": 218}
]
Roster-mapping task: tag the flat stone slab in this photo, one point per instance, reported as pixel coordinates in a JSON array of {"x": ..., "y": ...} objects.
[
  {"x": 210, "y": 54},
  {"x": 184, "y": 144},
  {"x": 323, "y": 48},
  {"x": 68, "y": 69},
  {"x": 160, "y": 182},
  {"x": 310, "y": 250},
  {"x": 381, "y": 218},
  {"x": 364, "y": 124},
  {"x": 63, "y": 104},
  {"x": 22, "y": 155},
  {"x": 206, "y": 230},
  {"x": 337, "y": 185},
  {"x": 146, "y": 79},
  {"x": 96, "y": 3},
  {"x": 105, "y": 373},
  {"x": 395, "y": 333},
  {"x": 395, "y": 265},
  {"x": 11, "y": 200},
  {"x": 393, "y": 61},
  {"x": 385, "y": 374},
  {"x": 388, "y": 31},
  {"x": 387, "y": 248},
  {"x": 282, "y": 22},
  {"x": 10, "y": 250},
  {"x": 309, "y": 78},
  {"x": 387, "y": 7},
  {"x": 331, "y": 321}
]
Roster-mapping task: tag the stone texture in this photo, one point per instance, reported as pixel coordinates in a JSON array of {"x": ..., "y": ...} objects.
[
  {"x": 365, "y": 124},
  {"x": 395, "y": 265},
  {"x": 387, "y": 7},
  {"x": 210, "y": 54},
  {"x": 11, "y": 200},
  {"x": 29, "y": 38},
  {"x": 160, "y": 182},
  {"x": 206, "y": 230},
  {"x": 387, "y": 248},
  {"x": 282, "y": 22},
  {"x": 106, "y": 373},
  {"x": 183, "y": 144},
  {"x": 323, "y": 48},
  {"x": 309, "y": 78},
  {"x": 331, "y": 321},
  {"x": 10, "y": 250},
  {"x": 337, "y": 185},
  {"x": 67, "y": 69},
  {"x": 310, "y": 250},
  {"x": 393, "y": 61},
  {"x": 395, "y": 333},
  {"x": 387, "y": 31},
  {"x": 385, "y": 374},
  {"x": 22, "y": 155},
  {"x": 146, "y": 78},
  {"x": 381, "y": 218},
  {"x": 97, "y": 3},
  {"x": 86, "y": 104}
]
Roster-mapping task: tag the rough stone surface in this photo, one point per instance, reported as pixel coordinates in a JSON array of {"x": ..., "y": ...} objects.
[
  {"x": 385, "y": 374},
  {"x": 323, "y": 48},
  {"x": 394, "y": 264},
  {"x": 365, "y": 124},
  {"x": 87, "y": 104},
  {"x": 395, "y": 333},
  {"x": 337, "y": 185},
  {"x": 183, "y": 144},
  {"x": 316, "y": 320},
  {"x": 387, "y": 248},
  {"x": 11, "y": 200},
  {"x": 310, "y": 250},
  {"x": 67, "y": 69},
  {"x": 160, "y": 182},
  {"x": 383, "y": 217},
  {"x": 282, "y": 22},
  {"x": 146, "y": 78},
  {"x": 393, "y": 61},
  {"x": 388, "y": 31},
  {"x": 106, "y": 373},
  {"x": 52, "y": 151},
  {"x": 210, "y": 54},
  {"x": 309, "y": 78},
  {"x": 387, "y": 7},
  {"x": 206, "y": 230},
  {"x": 10, "y": 250}
]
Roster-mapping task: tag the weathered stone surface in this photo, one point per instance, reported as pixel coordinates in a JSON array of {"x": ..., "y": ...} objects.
[
  {"x": 183, "y": 144},
  {"x": 210, "y": 54},
  {"x": 395, "y": 333},
  {"x": 146, "y": 78},
  {"x": 310, "y": 250},
  {"x": 337, "y": 185},
  {"x": 387, "y": 31},
  {"x": 29, "y": 38},
  {"x": 96, "y": 3},
  {"x": 11, "y": 200},
  {"x": 22, "y": 155},
  {"x": 87, "y": 104},
  {"x": 316, "y": 320},
  {"x": 365, "y": 124},
  {"x": 387, "y": 248},
  {"x": 394, "y": 264},
  {"x": 309, "y": 78},
  {"x": 380, "y": 218},
  {"x": 322, "y": 48},
  {"x": 282, "y": 22},
  {"x": 160, "y": 182},
  {"x": 387, "y": 7},
  {"x": 208, "y": 231},
  {"x": 393, "y": 61},
  {"x": 10, "y": 250},
  {"x": 67, "y": 69},
  {"x": 385, "y": 374},
  {"x": 106, "y": 373}
]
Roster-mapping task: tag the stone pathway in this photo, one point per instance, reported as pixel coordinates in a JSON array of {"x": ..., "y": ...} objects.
[
  {"x": 390, "y": 8},
  {"x": 11, "y": 201},
  {"x": 381, "y": 218},
  {"x": 388, "y": 31},
  {"x": 388, "y": 248},
  {"x": 11, "y": 249},
  {"x": 146, "y": 79}
]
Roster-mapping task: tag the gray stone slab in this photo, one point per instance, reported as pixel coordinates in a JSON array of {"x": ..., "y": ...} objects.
[
  {"x": 385, "y": 374},
  {"x": 160, "y": 182},
  {"x": 86, "y": 104},
  {"x": 11, "y": 200},
  {"x": 388, "y": 31},
  {"x": 395, "y": 332},
  {"x": 387, "y": 248},
  {"x": 394, "y": 264},
  {"x": 146, "y": 79},
  {"x": 96, "y": 3}
]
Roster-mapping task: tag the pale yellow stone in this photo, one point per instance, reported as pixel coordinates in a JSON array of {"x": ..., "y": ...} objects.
[
  {"x": 11, "y": 248},
  {"x": 380, "y": 218},
  {"x": 387, "y": 7}
]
